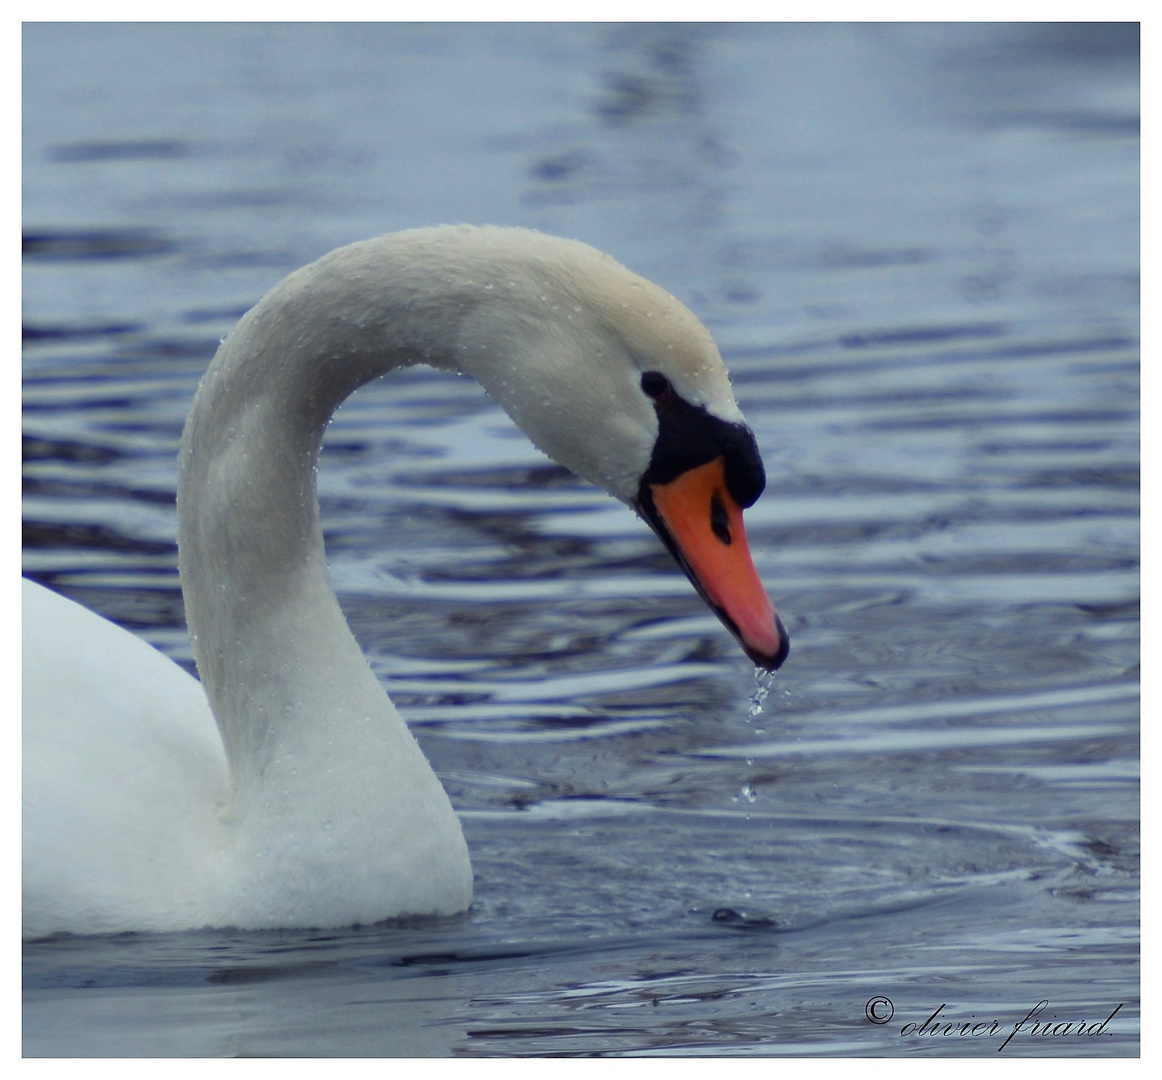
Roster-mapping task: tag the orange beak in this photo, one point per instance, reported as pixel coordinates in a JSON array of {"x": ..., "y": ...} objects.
[{"x": 701, "y": 524}]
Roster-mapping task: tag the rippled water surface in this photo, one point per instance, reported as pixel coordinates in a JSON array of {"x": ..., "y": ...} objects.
[{"x": 917, "y": 248}]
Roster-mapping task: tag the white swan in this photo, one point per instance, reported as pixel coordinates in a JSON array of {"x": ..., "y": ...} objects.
[{"x": 308, "y": 802}]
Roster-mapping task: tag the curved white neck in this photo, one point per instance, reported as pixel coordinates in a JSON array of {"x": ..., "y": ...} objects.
[{"x": 276, "y": 658}]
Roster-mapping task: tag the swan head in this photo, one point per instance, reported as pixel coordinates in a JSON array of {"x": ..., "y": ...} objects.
[
  {"x": 703, "y": 472},
  {"x": 620, "y": 383}
]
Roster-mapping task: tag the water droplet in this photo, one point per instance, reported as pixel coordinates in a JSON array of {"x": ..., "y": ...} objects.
[
  {"x": 762, "y": 688},
  {"x": 748, "y": 793}
]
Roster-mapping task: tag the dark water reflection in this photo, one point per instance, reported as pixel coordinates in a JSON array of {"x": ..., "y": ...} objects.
[{"x": 917, "y": 247}]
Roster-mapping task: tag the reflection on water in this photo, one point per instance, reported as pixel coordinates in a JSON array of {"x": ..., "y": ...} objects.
[{"x": 917, "y": 248}]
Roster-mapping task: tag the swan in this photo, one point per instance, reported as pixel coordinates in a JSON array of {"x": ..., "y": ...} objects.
[{"x": 284, "y": 790}]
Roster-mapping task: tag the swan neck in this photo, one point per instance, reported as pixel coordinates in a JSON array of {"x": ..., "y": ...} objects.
[{"x": 271, "y": 644}]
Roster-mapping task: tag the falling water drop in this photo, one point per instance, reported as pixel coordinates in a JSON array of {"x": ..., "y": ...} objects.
[{"x": 762, "y": 688}]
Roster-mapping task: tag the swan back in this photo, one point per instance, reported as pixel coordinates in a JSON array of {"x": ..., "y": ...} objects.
[{"x": 111, "y": 727}]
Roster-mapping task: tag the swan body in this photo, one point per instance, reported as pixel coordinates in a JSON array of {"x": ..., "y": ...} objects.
[{"x": 285, "y": 790}]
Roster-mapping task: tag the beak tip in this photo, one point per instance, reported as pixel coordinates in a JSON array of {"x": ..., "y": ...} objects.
[{"x": 771, "y": 659}]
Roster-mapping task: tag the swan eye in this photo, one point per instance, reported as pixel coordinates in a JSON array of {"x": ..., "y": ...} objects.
[{"x": 655, "y": 384}]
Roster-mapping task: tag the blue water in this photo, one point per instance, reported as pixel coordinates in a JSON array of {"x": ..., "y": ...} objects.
[{"x": 917, "y": 247}]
